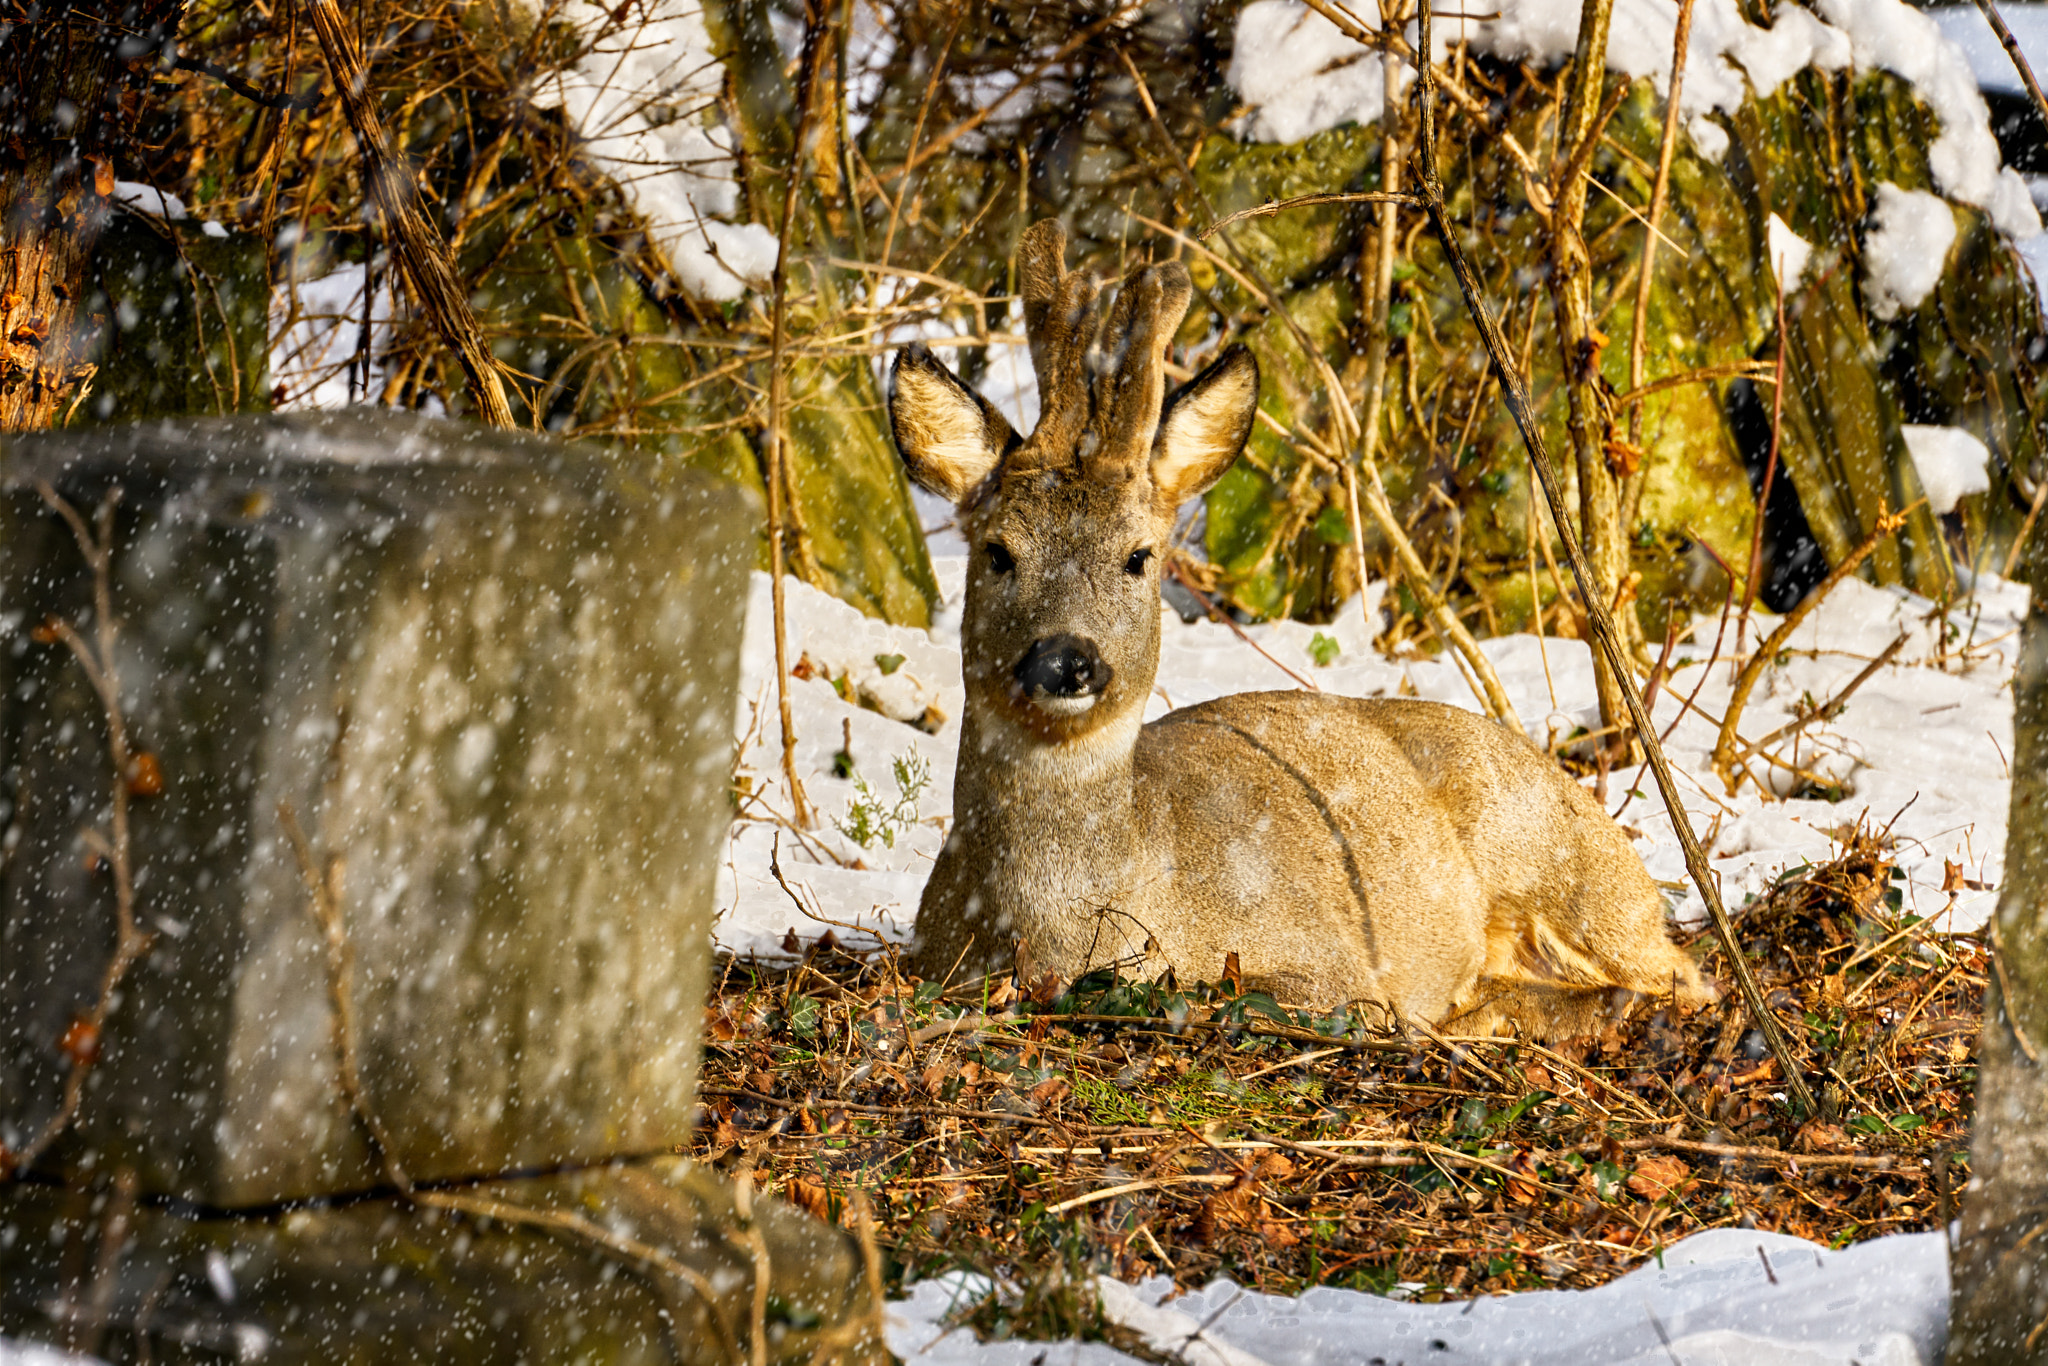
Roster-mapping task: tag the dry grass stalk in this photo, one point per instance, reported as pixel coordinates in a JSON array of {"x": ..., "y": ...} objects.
[
  {"x": 1492, "y": 695},
  {"x": 1607, "y": 638},
  {"x": 776, "y": 474},
  {"x": 1303, "y": 201}
]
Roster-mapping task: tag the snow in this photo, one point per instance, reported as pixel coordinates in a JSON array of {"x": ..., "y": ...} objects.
[
  {"x": 148, "y": 199},
  {"x": 35, "y": 1354},
  {"x": 316, "y": 335},
  {"x": 1288, "y": 64},
  {"x": 1725, "y": 1297},
  {"x": 1906, "y": 249},
  {"x": 1951, "y": 463},
  {"x": 1964, "y": 157},
  {"x": 644, "y": 96},
  {"x": 1789, "y": 253},
  {"x": 1302, "y": 74},
  {"x": 1923, "y": 743}
]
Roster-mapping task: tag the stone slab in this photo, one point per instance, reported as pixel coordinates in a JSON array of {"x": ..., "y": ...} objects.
[{"x": 493, "y": 680}]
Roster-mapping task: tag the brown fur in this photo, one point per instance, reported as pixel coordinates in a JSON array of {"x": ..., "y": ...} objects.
[{"x": 1398, "y": 852}]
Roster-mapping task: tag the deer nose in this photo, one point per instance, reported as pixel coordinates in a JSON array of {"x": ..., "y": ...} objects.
[{"x": 1063, "y": 666}]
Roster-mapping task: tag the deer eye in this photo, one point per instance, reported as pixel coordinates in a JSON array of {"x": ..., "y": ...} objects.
[
  {"x": 999, "y": 557},
  {"x": 1136, "y": 564}
]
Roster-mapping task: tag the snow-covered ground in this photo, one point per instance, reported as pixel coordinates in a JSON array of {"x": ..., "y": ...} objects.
[{"x": 1720, "y": 1298}]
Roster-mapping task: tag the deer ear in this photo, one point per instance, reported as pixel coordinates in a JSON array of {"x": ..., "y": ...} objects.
[
  {"x": 949, "y": 436},
  {"x": 1205, "y": 425}
]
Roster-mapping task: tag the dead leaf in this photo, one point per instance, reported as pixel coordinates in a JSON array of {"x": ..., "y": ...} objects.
[
  {"x": 1656, "y": 1177},
  {"x": 1527, "y": 1187},
  {"x": 80, "y": 1042},
  {"x": 1049, "y": 1091},
  {"x": 1825, "y": 1138},
  {"x": 809, "y": 1195},
  {"x": 1273, "y": 1167},
  {"x": 145, "y": 776}
]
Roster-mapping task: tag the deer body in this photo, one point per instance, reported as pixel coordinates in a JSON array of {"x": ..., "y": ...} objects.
[{"x": 1398, "y": 852}]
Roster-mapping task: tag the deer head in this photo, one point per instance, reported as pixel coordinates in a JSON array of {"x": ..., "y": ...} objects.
[{"x": 1060, "y": 634}]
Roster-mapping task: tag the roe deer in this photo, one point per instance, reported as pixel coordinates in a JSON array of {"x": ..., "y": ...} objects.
[{"x": 1399, "y": 852}]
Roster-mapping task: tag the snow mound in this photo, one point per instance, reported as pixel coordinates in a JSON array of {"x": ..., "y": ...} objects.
[
  {"x": 1301, "y": 74},
  {"x": 1789, "y": 253},
  {"x": 1725, "y": 1297}
]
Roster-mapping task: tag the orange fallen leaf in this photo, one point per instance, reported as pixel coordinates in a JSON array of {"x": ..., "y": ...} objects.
[{"x": 1656, "y": 1177}]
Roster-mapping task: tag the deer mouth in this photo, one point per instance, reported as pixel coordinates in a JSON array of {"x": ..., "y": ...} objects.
[{"x": 1063, "y": 706}]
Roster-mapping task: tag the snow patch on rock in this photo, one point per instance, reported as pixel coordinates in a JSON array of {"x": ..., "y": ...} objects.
[
  {"x": 1789, "y": 253},
  {"x": 1951, "y": 463},
  {"x": 644, "y": 96},
  {"x": 1290, "y": 63},
  {"x": 1906, "y": 249}
]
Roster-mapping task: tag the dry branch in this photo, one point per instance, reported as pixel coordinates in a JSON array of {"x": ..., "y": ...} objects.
[
  {"x": 2019, "y": 58},
  {"x": 775, "y": 475},
  {"x": 1302, "y": 201},
  {"x": 1607, "y": 638},
  {"x": 1681, "y": 40},
  {"x": 429, "y": 269}
]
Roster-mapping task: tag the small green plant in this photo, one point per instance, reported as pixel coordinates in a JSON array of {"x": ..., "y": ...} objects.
[
  {"x": 1324, "y": 650},
  {"x": 870, "y": 818}
]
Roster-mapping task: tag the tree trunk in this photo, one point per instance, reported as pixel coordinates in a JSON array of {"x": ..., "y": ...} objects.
[
  {"x": 70, "y": 90},
  {"x": 1579, "y": 343},
  {"x": 1998, "y": 1312}
]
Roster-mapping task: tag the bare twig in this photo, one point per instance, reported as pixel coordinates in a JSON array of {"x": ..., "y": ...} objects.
[
  {"x": 83, "y": 1039},
  {"x": 646, "y": 1255},
  {"x": 1724, "y": 756},
  {"x": 751, "y": 1237},
  {"x": 778, "y": 400},
  {"x": 1600, "y": 619},
  {"x": 1830, "y": 709},
  {"x": 1681, "y": 39},
  {"x": 1491, "y": 693},
  {"x": 2019, "y": 58},
  {"x": 1216, "y": 615},
  {"x": 323, "y": 887},
  {"x": 1302, "y": 201},
  {"x": 1753, "y": 571}
]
